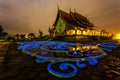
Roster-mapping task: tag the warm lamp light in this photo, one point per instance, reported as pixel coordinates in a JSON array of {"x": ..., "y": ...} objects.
[{"x": 117, "y": 36}]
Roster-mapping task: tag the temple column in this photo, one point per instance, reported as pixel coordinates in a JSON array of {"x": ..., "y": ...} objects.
[{"x": 75, "y": 31}]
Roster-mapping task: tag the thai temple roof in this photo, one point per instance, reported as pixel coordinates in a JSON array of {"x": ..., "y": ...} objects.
[{"x": 74, "y": 19}]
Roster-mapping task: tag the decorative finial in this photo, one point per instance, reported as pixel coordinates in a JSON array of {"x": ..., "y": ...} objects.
[
  {"x": 58, "y": 7},
  {"x": 70, "y": 10},
  {"x": 74, "y": 10}
]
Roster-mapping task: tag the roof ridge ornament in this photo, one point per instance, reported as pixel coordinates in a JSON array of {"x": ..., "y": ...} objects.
[
  {"x": 58, "y": 7},
  {"x": 74, "y": 10},
  {"x": 70, "y": 10}
]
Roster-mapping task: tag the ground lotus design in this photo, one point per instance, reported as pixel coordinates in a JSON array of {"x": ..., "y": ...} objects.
[{"x": 67, "y": 56}]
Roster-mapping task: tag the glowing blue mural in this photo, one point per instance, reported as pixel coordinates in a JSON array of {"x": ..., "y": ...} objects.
[{"x": 74, "y": 55}]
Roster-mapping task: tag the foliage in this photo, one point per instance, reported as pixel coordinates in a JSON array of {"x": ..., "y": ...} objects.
[
  {"x": 45, "y": 37},
  {"x": 22, "y": 36},
  {"x": 1, "y": 29},
  {"x": 3, "y": 34},
  {"x": 40, "y": 33},
  {"x": 31, "y": 35}
]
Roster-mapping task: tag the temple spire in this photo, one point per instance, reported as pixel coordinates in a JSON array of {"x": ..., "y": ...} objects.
[
  {"x": 58, "y": 7},
  {"x": 70, "y": 10},
  {"x": 74, "y": 10}
]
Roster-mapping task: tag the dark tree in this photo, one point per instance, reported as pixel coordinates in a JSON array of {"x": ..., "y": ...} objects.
[
  {"x": 49, "y": 30},
  {"x": 3, "y": 34},
  {"x": 1, "y": 29},
  {"x": 17, "y": 36},
  {"x": 10, "y": 38},
  {"x": 40, "y": 33},
  {"x": 31, "y": 35},
  {"x": 22, "y": 36}
]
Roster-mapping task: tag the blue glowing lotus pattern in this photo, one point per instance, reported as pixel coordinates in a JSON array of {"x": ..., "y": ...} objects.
[{"x": 67, "y": 56}]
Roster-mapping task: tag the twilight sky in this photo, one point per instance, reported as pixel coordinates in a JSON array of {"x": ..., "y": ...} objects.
[{"x": 25, "y": 16}]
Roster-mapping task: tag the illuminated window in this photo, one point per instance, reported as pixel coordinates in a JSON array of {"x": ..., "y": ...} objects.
[{"x": 71, "y": 32}]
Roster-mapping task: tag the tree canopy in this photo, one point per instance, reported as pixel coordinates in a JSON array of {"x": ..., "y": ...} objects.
[
  {"x": 40, "y": 33},
  {"x": 1, "y": 29},
  {"x": 32, "y": 35}
]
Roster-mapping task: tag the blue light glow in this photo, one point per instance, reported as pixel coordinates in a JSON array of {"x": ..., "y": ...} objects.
[
  {"x": 45, "y": 48},
  {"x": 63, "y": 66}
]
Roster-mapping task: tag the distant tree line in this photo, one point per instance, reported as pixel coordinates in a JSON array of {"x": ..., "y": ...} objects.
[
  {"x": 22, "y": 37},
  {"x": 3, "y": 34}
]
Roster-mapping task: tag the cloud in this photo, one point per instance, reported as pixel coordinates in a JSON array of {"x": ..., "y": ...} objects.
[{"x": 25, "y": 16}]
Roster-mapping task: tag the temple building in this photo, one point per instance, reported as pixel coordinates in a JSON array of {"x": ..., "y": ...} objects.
[{"x": 72, "y": 25}]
